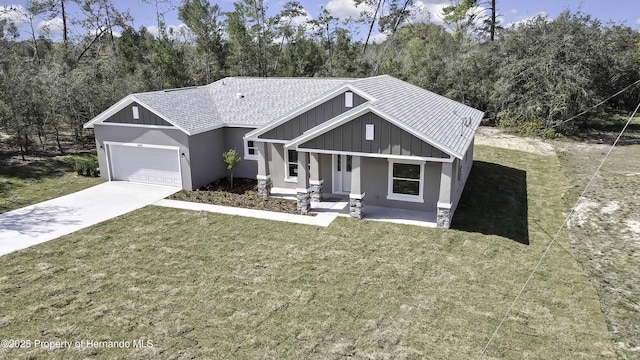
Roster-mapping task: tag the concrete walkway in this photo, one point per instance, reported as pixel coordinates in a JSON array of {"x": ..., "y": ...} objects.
[
  {"x": 51, "y": 219},
  {"x": 318, "y": 220}
]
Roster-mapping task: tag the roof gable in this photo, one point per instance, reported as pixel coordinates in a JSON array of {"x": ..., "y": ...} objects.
[
  {"x": 316, "y": 115},
  {"x": 387, "y": 138},
  {"x": 143, "y": 116}
]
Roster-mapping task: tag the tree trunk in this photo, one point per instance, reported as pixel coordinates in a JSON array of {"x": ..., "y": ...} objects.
[
  {"x": 493, "y": 20},
  {"x": 65, "y": 35},
  {"x": 373, "y": 21}
]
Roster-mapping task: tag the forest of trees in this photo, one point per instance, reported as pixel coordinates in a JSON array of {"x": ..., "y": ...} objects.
[{"x": 529, "y": 77}]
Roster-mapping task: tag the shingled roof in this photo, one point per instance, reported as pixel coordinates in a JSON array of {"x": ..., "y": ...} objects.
[{"x": 255, "y": 102}]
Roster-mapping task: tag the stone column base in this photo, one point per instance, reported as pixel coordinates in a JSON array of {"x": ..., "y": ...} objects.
[
  {"x": 264, "y": 186},
  {"x": 443, "y": 218},
  {"x": 304, "y": 202},
  {"x": 316, "y": 190},
  {"x": 356, "y": 206}
]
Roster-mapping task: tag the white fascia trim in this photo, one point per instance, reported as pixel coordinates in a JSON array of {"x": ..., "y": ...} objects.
[
  {"x": 376, "y": 155},
  {"x": 330, "y": 125},
  {"x": 318, "y": 101},
  {"x": 316, "y": 182},
  {"x": 163, "y": 127},
  {"x": 275, "y": 141},
  {"x": 263, "y": 177}
]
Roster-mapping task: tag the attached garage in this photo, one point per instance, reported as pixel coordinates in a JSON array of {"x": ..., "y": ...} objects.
[{"x": 144, "y": 163}]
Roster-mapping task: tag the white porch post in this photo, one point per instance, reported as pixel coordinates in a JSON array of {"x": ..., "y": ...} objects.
[
  {"x": 356, "y": 196},
  {"x": 444, "y": 200},
  {"x": 315, "y": 181},
  {"x": 263, "y": 177},
  {"x": 304, "y": 200}
]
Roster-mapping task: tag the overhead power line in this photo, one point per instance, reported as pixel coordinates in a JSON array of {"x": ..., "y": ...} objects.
[{"x": 564, "y": 223}]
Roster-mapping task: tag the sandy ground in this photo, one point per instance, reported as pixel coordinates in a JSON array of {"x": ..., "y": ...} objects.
[
  {"x": 491, "y": 136},
  {"x": 605, "y": 226}
]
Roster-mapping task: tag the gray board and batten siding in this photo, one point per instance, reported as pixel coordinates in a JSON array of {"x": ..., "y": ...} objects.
[
  {"x": 312, "y": 118},
  {"x": 145, "y": 117},
  {"x": 388, "y": 139}
]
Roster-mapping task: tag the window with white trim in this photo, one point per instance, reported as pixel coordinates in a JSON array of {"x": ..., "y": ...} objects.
[
  {"x": 250, "y": 150},
  {"x": 135, "y": 113},
  {"x": 291, "y": 163},
  {"x": 406, "y": 181}
]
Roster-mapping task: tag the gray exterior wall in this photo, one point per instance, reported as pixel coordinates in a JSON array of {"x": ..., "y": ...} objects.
[
  {"x": 464, "y": 166},
  {"x": 129, "y": 134},
  {"x": 233, "y": 139},
  {"x": 276, "y": 166},
  {"x": 146, "y": 117},
  {"x": 326, "y": 168},
  {"x": 206, "y": 157},
  {"x": 312, "y": 118},
  {"x": 388, "y": 139},
  {"x": 376, "y": 190}
]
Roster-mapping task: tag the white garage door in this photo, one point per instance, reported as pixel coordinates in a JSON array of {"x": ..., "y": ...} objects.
[{"x": 145, "y": 164}]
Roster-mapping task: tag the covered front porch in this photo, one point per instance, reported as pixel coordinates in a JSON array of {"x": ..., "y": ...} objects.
[
  {"x": 338, "y": 205},
  {"x": 400, "y": 190}
]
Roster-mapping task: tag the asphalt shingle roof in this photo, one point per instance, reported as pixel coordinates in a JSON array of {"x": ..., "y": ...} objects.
[{"x": 445, "y": 122}]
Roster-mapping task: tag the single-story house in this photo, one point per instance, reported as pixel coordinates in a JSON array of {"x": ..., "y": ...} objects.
[{"x": 377, "y": 140}]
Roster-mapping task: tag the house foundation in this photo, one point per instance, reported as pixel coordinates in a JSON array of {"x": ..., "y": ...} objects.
[
  {"x": 264, "y": 186},
  {"x": 356, "y": 206},
  {"x": 443, "y": 217},
  {"x": 316, "y": 188},
  {"x": 304, "y": 202}
]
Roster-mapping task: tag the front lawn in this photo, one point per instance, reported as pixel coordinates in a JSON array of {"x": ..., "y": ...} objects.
[
  {"x": 40, "y": 180},
  {"x": 202, "y": 285}
]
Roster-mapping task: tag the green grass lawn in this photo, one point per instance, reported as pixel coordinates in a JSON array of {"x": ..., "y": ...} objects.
[
  {"x": 202, "y": 285},
  {"x": 37, "y": 181}
]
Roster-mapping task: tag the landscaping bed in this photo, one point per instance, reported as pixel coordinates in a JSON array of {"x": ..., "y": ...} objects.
[{"x": 243, "y": 194}]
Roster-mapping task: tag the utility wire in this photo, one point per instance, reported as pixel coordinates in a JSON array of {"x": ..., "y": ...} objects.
[
  {"x": 598, "y": 104},
  {"x": 564, "y": 223}
]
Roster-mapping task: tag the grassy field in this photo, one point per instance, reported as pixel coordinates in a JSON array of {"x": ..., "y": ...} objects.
[
  {"x": 202, "y": 285},
  {"x": 605, "y": 233},
  {"x": 33, "y": 182}
]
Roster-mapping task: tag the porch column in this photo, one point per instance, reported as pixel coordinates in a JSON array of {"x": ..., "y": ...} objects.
[
  {"x": 263, "y": 177},
  {"x": 304, "y": 199},
  {"x": 444, "y": 200},
  {"x": 356, "y": 196},
  {"x": 315, "y": 181}
]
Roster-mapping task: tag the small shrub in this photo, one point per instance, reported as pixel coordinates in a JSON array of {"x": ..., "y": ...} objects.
[{"x": 86, "y": 166}]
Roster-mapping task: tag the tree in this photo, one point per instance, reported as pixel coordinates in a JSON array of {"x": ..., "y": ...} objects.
[
  {"x": 464, "y": 14},
  {"x": 203, "y": 20},
  {"x": 232, "y": 159}
]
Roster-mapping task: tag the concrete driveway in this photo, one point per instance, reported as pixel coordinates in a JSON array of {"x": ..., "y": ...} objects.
[{"x": 51, "y": 219}]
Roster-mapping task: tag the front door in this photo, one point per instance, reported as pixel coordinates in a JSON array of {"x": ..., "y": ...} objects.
[{"x": 342, "y": 173}]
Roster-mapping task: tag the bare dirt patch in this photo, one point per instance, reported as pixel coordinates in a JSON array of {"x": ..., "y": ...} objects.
[
  {"x": 604, "y": 229},
  {"x": 604, "y": 232},
  {"x": 491, "y": 136}
]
